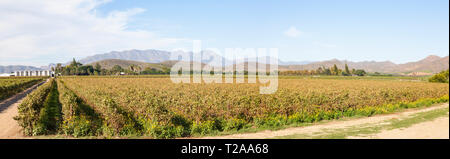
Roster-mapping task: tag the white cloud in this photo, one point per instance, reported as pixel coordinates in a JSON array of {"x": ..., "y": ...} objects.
[
  {"x": 71, "y": 28},
  {"x": 292, "y": 32}
]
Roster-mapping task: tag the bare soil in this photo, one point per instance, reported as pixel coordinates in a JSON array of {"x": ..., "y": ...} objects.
[{"x": 8, "y": 126}]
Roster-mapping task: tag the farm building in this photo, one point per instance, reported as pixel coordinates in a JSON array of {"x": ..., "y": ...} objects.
[{"x": 33, "y": 73}]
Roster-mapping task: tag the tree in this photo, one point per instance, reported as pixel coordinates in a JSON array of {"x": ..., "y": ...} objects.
[
  {"x": 58, "y": 68},
  {"x": 75, "y": 63},
  {"x": 66, "y": 71},
  {"x": 441, "y": 77},
  {"x": 360, "y": 72},
  {"x": 347, "y": 71},
  {"x": 116, "y": 69},
  {"x": 97, "y": 69},
  {"x": 327, "y": 71},
  {"x": 320, "y": 70},
  {"x": 75, "y": 68},
  {"x": 335, "y": 70},
  {"x": 105, "y": 72}
]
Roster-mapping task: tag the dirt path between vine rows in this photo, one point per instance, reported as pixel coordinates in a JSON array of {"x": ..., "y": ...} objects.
[
  {"x": 433, "y": 129},
  {"x": 9, "y": 128}
]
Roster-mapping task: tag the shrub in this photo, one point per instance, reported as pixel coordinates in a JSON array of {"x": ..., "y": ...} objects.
[
  {"x": 441, "y": 77},
  {"x": 30, "y": 109},
  {"x": 12, "y": 86},
  {"x": 78, "y": 118}
]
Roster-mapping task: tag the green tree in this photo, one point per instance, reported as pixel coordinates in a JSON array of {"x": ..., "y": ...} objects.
[
  {"x": 360, "y": 72},
  {"x": 116, "y": 69},
  {"x": 58, "y": 68},
  {"x": 98, "y": 67},
  {"x": 347, "y": 71},
  {"x": 335, "y": 69},
  {"x": 75, "y": 63},
  {"x": 327, "y": 71},
  {"x": 441, "y": 77},
  {"x": 105, "y": 72}
]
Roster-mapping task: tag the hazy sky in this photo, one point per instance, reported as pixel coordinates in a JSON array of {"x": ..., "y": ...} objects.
[{"x": 50, "y": 31}]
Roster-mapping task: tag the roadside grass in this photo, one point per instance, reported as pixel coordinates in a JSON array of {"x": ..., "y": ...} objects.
[
  {"x": 418, "y": 118},
  {"x": 367, "y": 129}
]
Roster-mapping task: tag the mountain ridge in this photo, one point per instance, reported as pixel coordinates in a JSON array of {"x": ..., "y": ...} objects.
[
  {"x": 12, "y": 68},
  {"x": 431, "y": 63},
  {"x": 425, "y": 65}
]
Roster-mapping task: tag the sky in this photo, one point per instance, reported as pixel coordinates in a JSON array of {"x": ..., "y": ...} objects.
[{"x": 40, "y": 32}]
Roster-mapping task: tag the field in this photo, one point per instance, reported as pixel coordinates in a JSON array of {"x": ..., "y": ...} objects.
[
  {"x": 158, "y": 108},
  {"x": 13, "y": 85}
]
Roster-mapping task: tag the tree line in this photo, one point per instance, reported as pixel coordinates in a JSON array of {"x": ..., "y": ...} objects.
[
  {"x": 335, "y": 71},
  {"x": 76, "y": 68}
]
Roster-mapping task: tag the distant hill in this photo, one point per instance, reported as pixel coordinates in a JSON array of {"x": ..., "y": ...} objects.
[
  {"x": 370, "y": 66},
  {"x": 294, "y": 62},
  {"x": 12, "y": 68},
  {"x": 170, "y": 63},
  {"x": 158, "y": 56},
  {"x": 149, "y": 56},
  {"x": 431, "y": 64},
  {"x": 110, "y": 63}
]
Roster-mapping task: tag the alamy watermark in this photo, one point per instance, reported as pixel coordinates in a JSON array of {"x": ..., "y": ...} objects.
[{"x": 232, "y": 65}]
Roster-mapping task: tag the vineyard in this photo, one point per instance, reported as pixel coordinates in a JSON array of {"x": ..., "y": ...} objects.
[
  {"x": 158, "y": 108},
  {"x": 11, "y": 86}
]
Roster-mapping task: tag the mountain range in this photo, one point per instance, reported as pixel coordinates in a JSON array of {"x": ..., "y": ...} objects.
[
  {"x": 12, "y": 68},
  {"x": 432, "y": 63},
  {"x": 158, "y": 58},
  {"x": 148, "y": 56},
  {"x": 110, "y": 63}
]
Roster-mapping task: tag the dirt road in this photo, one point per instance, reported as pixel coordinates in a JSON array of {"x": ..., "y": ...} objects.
[
  {"x": 9, "y": 128},
  {"x": 436, "y": 129},
  {"x": 353, "y": 128}
]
